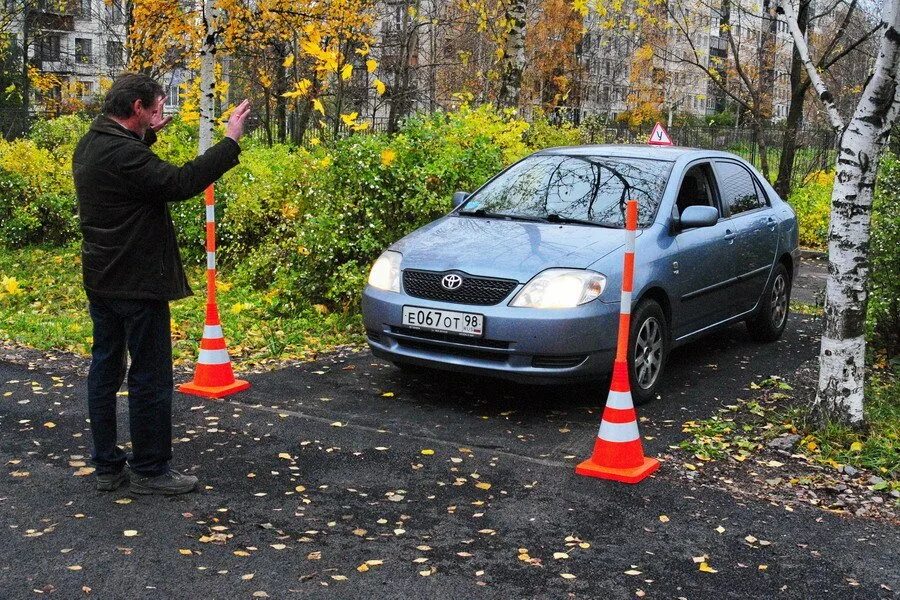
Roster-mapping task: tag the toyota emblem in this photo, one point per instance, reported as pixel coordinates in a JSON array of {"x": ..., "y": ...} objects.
[{"x": 451, "y": 281}]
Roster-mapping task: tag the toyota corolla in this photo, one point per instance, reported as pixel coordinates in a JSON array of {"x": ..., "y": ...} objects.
[{"x": 521, "y": 280}]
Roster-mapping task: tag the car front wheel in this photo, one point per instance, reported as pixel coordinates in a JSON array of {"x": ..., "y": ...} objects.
[{"x": 648, "y": 348}]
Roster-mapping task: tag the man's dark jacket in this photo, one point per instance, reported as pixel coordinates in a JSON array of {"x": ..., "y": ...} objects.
[{"x": 129, "y": 248}]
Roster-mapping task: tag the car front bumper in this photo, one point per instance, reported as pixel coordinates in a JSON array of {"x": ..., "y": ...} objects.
[{"x": 520, "y": 344}]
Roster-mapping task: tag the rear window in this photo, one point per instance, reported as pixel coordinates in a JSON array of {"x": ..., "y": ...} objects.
[{"x": 588, "y": 188}]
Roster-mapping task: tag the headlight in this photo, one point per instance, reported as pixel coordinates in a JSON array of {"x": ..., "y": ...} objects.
[
  {"x": 385, "y": 273},
  {"x": 560, "y": 288}
]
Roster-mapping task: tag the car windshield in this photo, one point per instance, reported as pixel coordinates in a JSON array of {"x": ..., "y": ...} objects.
[{"x": 579, "y": 189}]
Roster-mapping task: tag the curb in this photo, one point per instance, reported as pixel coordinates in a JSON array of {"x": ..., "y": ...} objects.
[{"x": 813, "y": 254}]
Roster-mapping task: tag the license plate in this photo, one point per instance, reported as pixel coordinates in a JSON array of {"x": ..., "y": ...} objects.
[{"x": 444, "y": 320}]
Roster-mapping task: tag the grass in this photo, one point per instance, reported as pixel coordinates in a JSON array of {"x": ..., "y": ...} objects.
[
  {"x": 743, "y": 428},
  {"x": 43, "y": 305},
  {"x": 878, "y": 447}
]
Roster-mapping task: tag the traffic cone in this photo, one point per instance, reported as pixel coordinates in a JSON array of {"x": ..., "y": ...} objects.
[
  {"x": 618, "y": 452},
  {"x": 213, "y": 376}
]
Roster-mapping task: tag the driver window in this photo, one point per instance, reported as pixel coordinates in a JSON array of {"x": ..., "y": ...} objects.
[{"x": 695, "y": 189}]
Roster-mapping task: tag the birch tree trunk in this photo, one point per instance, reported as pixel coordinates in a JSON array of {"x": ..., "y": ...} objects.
[
  {"x": 207, "y": 77},
  {"x": 842, "y": 356},
  {"x": 513, "y": 61}
]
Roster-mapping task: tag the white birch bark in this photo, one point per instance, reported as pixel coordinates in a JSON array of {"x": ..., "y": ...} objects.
[
  {"x": 842, "y": 358},
  {"x": 513, "y": 55},
  {"x": 207, "y": 77},
  {"x": 803, "y": 50}
]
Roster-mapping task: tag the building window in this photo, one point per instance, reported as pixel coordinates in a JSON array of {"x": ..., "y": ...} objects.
[
  {"x": 115, "y": 13},
  {"x": 81, "y": 9},
  {"x": 48, "y": 47},
  {"x": 114, "y": 54},
  {"x": 83, "y": 51},
  {"x": 173, "y": 94},
  {"x": 86, "y": 89}
]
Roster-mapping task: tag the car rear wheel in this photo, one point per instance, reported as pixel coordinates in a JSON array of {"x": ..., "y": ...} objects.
[
  {"x": 770, "y": 318},
  {"x": 648, "y": 349}
]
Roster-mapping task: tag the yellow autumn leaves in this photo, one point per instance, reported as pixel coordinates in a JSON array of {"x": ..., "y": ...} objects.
[{"x": 10, "y": 286}]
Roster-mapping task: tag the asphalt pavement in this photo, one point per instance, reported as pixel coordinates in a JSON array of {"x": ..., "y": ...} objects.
[{"x": 346, "y": 478}]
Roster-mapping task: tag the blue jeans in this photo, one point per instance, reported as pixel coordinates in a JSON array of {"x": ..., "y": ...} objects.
[{"x": 141, "y": 329}]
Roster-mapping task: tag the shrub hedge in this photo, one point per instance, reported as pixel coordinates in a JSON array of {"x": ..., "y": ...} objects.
[{"x": 307, "y": 222}]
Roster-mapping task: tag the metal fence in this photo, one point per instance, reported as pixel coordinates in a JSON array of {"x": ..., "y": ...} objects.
[{"x": 815, "y": 147}]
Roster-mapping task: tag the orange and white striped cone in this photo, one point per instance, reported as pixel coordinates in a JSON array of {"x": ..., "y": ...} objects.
[
  {"x": 213, "y": 375},
  {"x": 618, "y": 452}
]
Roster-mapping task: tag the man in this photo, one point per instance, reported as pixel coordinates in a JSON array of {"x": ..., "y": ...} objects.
[{"x": 132, "y": 269}]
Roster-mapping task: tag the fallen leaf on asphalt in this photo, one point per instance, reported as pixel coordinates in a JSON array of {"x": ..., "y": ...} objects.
[
  {"x": 314, "y": 555},
  {"x": 123, "y": 501},
  {"x": 690, "y": 467},
  {"x": 560, "y": 555},
  {"x": 241, "y": 553},
  {"x": 362, "y": 568},
  {"x": 420, "y": 560},
  {"x": 20, "y": 473},
  {"x": 260, "y": 594},
  {"x": 360, "y": 532},
  {"x": 699, "y": 559},
  {"x": 774, "y": 463},
  {"x": 375, "y": 562},
  {"x": 339, "y": 577},
  {"x": 763, "y": 567},
  {"x": 483, "y": 485},
  {"x": 284, "y": 455},
  {"x": 427, "y": 452},
  {"x": 464, "y": 554},
  {"x": 337, "y": 424},
  {"x": 706, "y": 568},
  {"x": 632, "y": 572},
  {"x": 185, "y": 552},
  {"x": 300, "y": 489},
  {"x": 278, "y": 546},
  {"x": 74, "y": 567},
  {"x": 750, "y": 539},
  {"x": 84, "y": 471},
  {"x": 663, "y": 519},
  {"x": 423, "y": 548},
  {"x": 248, "y": 576},
  {"x": 49, "y": 424},
  {"x": 388, "y": 395},
  {"x": 567, "y": 576},
  {"x": 720, "y": 529},
  {"x": 130, "y": 532}
]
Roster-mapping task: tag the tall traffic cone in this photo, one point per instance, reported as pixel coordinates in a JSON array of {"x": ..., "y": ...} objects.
[
  {"x": 618, "y": 452},
  {"x": 213, "y": 376}
]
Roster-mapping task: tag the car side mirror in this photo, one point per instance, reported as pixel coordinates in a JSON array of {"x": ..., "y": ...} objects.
[
  {"x": 699, "y": 216},
  {"x": 459, "y": 198}
]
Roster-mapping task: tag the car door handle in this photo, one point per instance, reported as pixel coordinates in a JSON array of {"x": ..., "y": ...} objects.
[{"x": 729, "y": 235}]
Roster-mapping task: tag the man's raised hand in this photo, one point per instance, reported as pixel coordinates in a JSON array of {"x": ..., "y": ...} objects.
[{"x": 235, "y": 127}]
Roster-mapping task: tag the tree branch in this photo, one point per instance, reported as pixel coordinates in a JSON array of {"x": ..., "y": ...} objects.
[{"x": 800, "y": 42}]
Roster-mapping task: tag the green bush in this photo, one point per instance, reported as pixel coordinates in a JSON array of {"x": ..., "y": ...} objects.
[
  {"x": 883, "y": 317},
  {"x": 812, "y": 203}
]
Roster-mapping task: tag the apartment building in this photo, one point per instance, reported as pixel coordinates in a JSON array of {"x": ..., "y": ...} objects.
[{"x": 80, "y": 42}]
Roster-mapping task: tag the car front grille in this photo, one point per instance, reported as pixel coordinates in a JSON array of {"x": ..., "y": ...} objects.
[{"x": 483, "y": 291}]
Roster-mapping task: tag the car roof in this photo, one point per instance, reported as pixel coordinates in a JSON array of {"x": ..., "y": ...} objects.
[{"x": 669, "y": 153}]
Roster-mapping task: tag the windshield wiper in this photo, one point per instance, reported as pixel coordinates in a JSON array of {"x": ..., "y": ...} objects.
[
  {"x": 555, "y": 218},
  {"x": 480, "y": 212}
]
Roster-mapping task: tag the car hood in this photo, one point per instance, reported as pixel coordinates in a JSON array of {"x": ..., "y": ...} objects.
[{"x": 506, "y": 249}]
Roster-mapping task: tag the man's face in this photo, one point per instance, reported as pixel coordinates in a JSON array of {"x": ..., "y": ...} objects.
[{"x": 148, "y": 115}]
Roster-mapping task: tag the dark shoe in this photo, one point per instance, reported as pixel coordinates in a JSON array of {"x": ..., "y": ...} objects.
[
  {"x": 169, "y": 483},
  {"x": 108, "y": 482}
]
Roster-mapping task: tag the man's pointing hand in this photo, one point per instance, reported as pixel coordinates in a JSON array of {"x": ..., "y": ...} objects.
[{"x": 235, "y": 127}]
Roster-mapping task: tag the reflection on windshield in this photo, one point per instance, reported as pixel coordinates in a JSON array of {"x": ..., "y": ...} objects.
[{"x": 577, "y": 188}]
